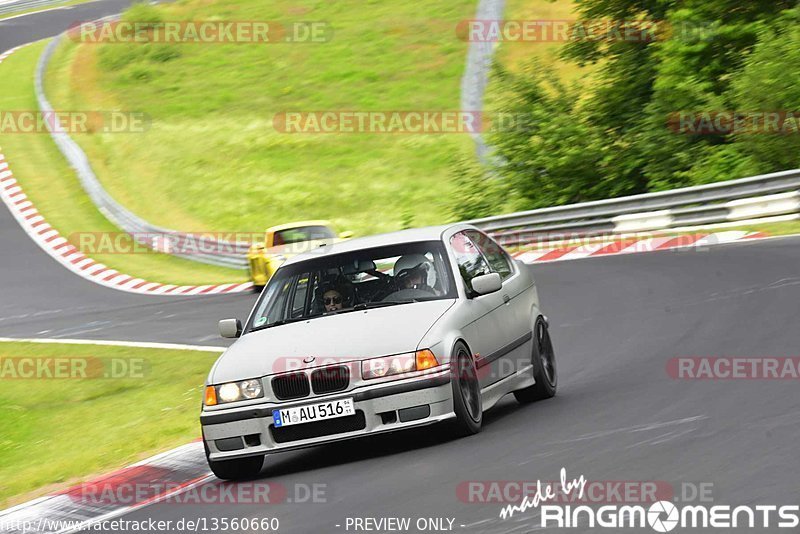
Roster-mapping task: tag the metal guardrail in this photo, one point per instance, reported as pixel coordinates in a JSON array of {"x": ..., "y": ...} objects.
[
  {"x": 25, "y": 5},
  {"x": 195, "y": 247},
  {"x": 476, "y": 71},
  {"x": 769, "y": 195}
]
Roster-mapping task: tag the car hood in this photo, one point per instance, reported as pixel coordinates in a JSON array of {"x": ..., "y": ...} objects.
[{"x": 355, "y": 335}]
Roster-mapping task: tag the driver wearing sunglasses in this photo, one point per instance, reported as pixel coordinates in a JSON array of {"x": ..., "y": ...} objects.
[{"x": 332, "y": 300}]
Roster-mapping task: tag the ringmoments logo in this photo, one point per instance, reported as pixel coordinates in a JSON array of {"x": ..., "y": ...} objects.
[{"x": 661, "y": 516}]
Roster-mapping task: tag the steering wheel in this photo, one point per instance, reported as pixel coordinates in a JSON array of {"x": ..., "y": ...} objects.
[
  {"x": 387, "y": 285},
  {"x": 411, "y": 293}
]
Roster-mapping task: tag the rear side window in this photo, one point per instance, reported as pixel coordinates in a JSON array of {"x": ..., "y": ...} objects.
[
  {"x": 495, "y": 255},
  {"x": 469, "y": 259}
]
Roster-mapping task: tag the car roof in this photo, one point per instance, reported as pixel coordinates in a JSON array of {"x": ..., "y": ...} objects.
[
  {"x": 299, "y": 224},
  {"x": 429, "y": 233}
]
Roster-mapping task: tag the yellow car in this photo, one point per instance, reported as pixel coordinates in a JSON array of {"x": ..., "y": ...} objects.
[{"x": 284, "y": 241}]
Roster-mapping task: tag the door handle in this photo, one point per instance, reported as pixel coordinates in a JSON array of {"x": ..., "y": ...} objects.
[{"x": 506, "y": 298}]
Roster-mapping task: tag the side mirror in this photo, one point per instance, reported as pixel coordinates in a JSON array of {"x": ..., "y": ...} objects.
[
  {"x": 230, "y": 328},
  {"x": 487, "y": 283},
  {"x": 346, "y": 235}
]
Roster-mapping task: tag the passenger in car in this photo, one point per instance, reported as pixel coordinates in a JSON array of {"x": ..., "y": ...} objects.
[{"x": 413, "y": 272}]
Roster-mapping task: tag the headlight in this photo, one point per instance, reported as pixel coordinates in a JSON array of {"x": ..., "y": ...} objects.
[
  {"x": 233, "y": 391},
  {"x": 251, "y": 389},
  {"x": 229, "y": 392},
  {"x": 394, "y": 365}
]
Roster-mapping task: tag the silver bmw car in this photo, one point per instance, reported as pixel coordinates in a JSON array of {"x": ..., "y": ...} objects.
[{"x": 374, "y": 335}]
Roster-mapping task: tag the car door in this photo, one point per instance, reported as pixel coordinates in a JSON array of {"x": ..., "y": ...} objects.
[
  {"x": 487, "y": 333},
  {"x": 518, "y": 294}
]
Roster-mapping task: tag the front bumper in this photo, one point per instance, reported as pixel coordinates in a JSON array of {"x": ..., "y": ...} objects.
[{"x": 249, "y": 431}]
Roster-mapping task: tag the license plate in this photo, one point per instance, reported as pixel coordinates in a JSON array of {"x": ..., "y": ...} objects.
[{"x": 313, "y": 412}]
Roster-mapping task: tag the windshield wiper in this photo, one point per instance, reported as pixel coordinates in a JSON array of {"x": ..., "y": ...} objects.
[
  {"x": 371, "y": 305},
  {"x": 279, "y": 323},
  {"x": 381, "y": 304}
]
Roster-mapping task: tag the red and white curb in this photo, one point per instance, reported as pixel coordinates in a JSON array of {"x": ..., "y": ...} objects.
[
  {"x": 631, "y": 245},
  {"x": 52, "y": 242}
]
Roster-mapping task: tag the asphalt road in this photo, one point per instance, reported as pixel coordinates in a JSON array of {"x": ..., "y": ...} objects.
[
  {"x": 616, "y": 321},
  {"x": 26, "y": 29},
  {"x": 40, "y": 298}
]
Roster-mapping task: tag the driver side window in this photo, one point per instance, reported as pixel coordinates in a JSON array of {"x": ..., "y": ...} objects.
[{"x": 469, "y": 259}]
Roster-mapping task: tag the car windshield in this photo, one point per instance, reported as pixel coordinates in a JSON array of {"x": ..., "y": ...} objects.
[
  {"x": 339, "y": 283},
  {"x": 302, "y": 233}
]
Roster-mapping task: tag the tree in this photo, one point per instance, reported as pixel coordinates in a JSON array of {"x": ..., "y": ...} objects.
[
  {"x": 770, "y": 82},
  {"x": 549, "y": 156},
  {"x": 709, "y": 56}
]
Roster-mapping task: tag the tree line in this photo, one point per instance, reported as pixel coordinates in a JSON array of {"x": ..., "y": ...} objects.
[{"x": 713, "y": 97}]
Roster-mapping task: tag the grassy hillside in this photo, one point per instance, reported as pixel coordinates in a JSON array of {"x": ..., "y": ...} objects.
[
  {"x": 212, "y": 159},
  {"x": 55, "y": 190}
]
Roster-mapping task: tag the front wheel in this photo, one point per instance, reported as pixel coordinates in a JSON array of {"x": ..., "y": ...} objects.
[
  {"x": 467, "y": 402},
  {"x": 544, "y": 367},
  {"x": 236, "y": 469}
]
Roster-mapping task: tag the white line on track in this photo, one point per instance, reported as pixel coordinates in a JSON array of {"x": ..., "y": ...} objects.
[{"x": 135, "y": 344}]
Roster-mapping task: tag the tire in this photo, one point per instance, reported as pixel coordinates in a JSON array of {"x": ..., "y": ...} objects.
[
  {"x": 544, "y": 367},
  {"x": 238, "y": 469},
  {"x": 467, "y": 402}
]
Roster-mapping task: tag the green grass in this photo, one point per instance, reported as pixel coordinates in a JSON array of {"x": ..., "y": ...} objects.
[
  {"x": 774, "y": 228},
  {"x": 55, "y": 190},
  {"x": 57, "y": 431},
  {"x": 515, "y": 55},
  {"x": 212, "y": 152}
]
